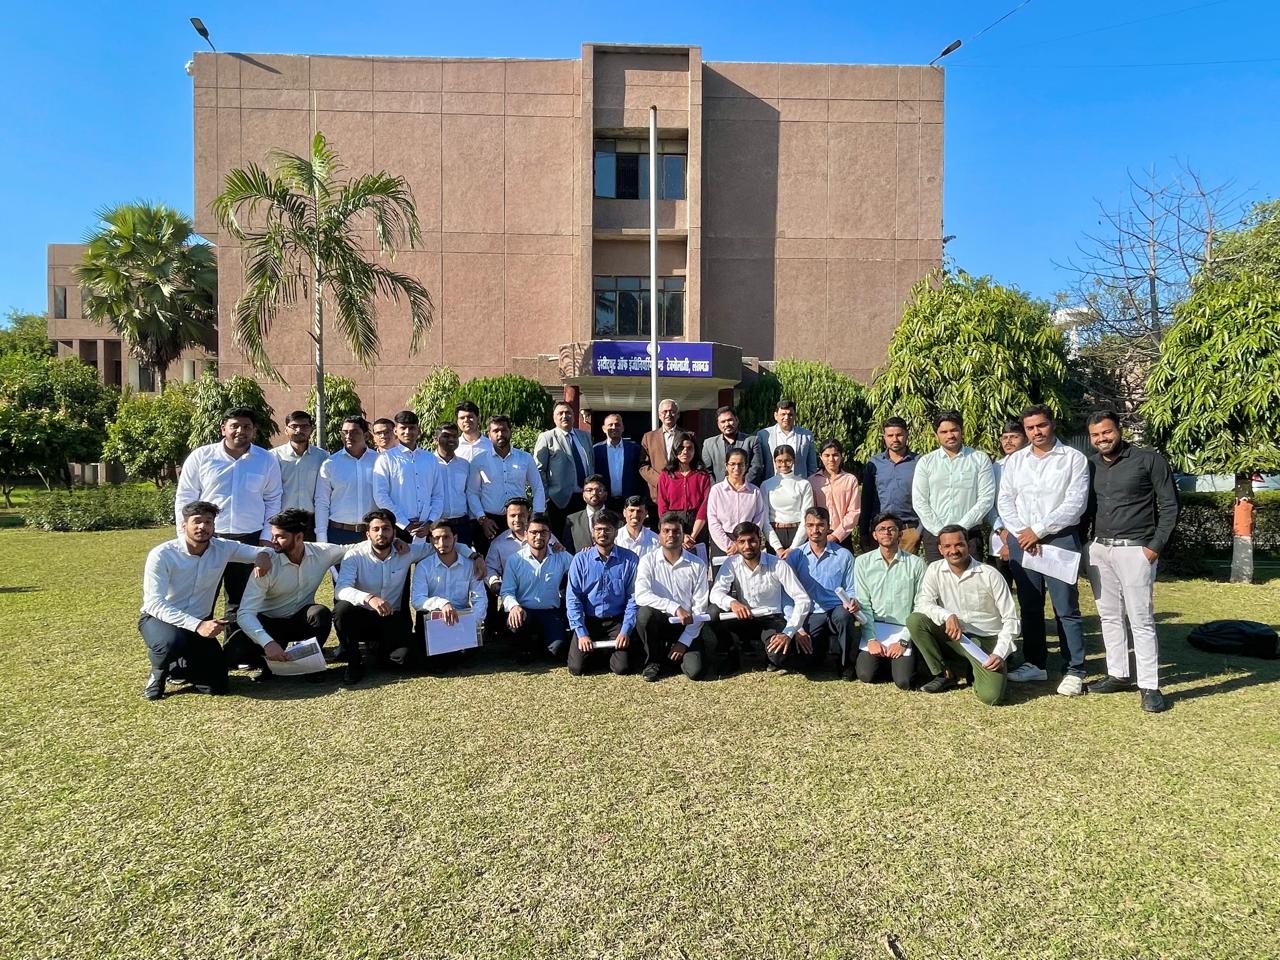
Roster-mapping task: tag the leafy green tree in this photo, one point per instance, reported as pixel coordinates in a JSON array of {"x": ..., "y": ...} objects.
[
  {"x": 1214, "y": 393},
  {"x": 213, "y": 397},
  {"x": 967, "y": 343},
  {"x": 433, "y": 399},
  {"x": 309, "y": 245},
  {"x": 340, "y": 401},
  {"x": 151, "y": 433},
  {"x": 523, "y": 399},
  {"x": 830, "y": 403},
  {"x": 52, "y": 413},
  {"x": 26, "y": 333},
  {"x": 146, "y": 278}
]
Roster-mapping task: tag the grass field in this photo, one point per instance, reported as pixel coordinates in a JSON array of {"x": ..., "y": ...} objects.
[{"x": 523, "y": 813}]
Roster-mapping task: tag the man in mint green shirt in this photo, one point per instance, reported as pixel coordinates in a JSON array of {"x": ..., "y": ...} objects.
[
  {"x": 885, "y": 582},
  {"x": 954, "y": 484}
]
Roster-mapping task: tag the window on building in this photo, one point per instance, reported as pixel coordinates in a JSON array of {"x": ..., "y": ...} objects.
[
  {"x": 146, "y": 379},
  {"x": 622, "y": 307},
  {"x": 622, "y": 169},
  {"x": 59, "y": 303}
]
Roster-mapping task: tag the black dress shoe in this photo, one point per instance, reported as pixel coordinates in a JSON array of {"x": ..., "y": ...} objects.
[
  {"x": 353, "y": 673},
  {"x": 340, "y": 655},
  {"x": 154, "y": 690},
  {"x": 651, "y": 672},
  {"x": 848, "y": 673},
  {"x": 1153, "y": 701},
  {"x": 1110, "y": 684},
  {"x": 938, "y": 684}
]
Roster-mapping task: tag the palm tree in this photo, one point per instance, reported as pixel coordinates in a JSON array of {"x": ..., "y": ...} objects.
[
  {"x": 143, "y": 276},
  {"x": 308, "y": 245}
]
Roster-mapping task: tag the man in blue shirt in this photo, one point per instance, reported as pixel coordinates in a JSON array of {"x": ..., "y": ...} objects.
[
  {"x": 601, "y": 600},
  {"x": 826, "y": 571},
  {"x": 886, "y": 486},
  {"x": 531, "y": 590}
]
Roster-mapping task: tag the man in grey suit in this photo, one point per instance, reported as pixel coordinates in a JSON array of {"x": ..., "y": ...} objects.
[
  {"x": 785, "y": 431},
  {"x": 577, "y": 528},
  {"x": 715, "y": 450},
  {"x": 564, "y": 458}
]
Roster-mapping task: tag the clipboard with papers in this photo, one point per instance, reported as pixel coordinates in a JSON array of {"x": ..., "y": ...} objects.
[{"x": 450, "y": 638}]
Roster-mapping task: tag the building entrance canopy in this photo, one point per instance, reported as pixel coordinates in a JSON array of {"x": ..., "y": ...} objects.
[{"x": 614, "y": 374}]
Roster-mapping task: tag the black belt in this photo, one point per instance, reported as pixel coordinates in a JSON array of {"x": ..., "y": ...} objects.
[
  {"x": 1114, "y": 542},
  {"x": 353, "y": 527}
]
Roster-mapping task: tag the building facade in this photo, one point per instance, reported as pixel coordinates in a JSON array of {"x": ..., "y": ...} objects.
[{"x": 798, "y": 203}]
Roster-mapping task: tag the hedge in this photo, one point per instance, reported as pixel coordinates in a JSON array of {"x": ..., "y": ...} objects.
[{"x": 100, "y": 508}]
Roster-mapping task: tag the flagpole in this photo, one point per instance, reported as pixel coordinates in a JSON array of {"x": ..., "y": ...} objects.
[{"x": 653, "y": 265}]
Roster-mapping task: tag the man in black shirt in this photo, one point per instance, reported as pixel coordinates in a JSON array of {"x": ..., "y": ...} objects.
[{"x": 1133, "y": 507}]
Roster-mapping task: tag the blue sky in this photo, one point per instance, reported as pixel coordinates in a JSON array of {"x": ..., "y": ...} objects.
[{"x": 1046, "y": 114}]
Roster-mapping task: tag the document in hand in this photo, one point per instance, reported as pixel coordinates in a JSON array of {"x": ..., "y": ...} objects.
[
  {"x": 697, "y": 618},
  {"x": 973, "y": 650},
  {"x": 304, "y": 657},
  {"x": 888, "y": 634},
  {"x": 443, "y": 638},
  {"x": 755, "y": 612},
  {"x": 1054, "y": 562},
  {"x": 996, "y": 544}
]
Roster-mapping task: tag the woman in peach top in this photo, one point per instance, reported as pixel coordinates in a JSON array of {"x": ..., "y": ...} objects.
[{"x": 839, "y": 492}]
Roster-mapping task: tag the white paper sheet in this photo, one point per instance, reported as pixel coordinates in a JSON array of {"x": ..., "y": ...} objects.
[
  {"x": 304, "y": 657},
  {"x": 861, "y": 615},
  {"x": 443, "y": 638},
  {"x": 1056, "y": 562},
  {"x": 697, "y": 618},
  {"x": 755, "y": 612},
  {"x": 887, "y": 634},
  {"x": 973, "y": 650},
  {"x": 996, "y": 544}
]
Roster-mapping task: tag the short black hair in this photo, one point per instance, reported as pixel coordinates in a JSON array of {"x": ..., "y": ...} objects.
[
  {"x": 235, "y": 413},
  {"x": 444, "y": 525},
  {"x": 200, "y": 508},
  {"x": 895, "y": 422},
  {"x": 822, "y": 513},
  {"x": 517, "y": 502},
  {"x": 746, "y": 528},
  {"x": 359, "y": 421},
  {"x": 953, "y": 528},
  {"x": 442, "y": 427},
  {"x": 737, "y": 452},
  {"x": 379, "y": 513},
  {"x": 1098, "y": 416},
  {"x": 671, "y": 516},
  {"x": 1013, "y": 426},
  {"x": 293, "y": 520},
  {"x": 784, "y": 404},
  {"x": 1038, "y": 410},
  {"x": 607, "y": 516},
  {"x": 406, "y": 418},
  {"x": 884, "y": 515},
  {"x": 635, "y": 500},
  {"x": 596, "y": 478},
  {"x": 466, "y": 406},
  {"x": 948, "y": 416},
  {"x": 561, "y": 403},
  {"x": 298, "y": 416},
  {"x": 500, "y": 418},
  {"x": 725, "y": 409},
  {"x": 541, "y": 518},
  {"x": 384, "y": 420}
]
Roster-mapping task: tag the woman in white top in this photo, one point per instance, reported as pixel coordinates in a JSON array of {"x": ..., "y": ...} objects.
[{"x": 787, "y": 497}]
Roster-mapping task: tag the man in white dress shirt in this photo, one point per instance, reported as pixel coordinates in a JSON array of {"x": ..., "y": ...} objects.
[
  {"x": 1012, "y": 439},
  {"x": 784, "y": 432},
  {"x": 453, "y": 471},
  {"x": 1044, "y": 490},
  {"x": 471, "y": 439},
  {"x": 757, "y": 588},
  {"x": 344, "y": 488},
  {"x": 299, "y": 463},
  {"x": 179, "y": 588},
  {"x": 496, "y": 476},
  {"x": 244, "y": 482},
  {"x": 565, "y": 460},
  {"x": 445, "y": 586},
  {"x": 405, "y": 479},
  {"x": 633, "y": 535},
  {"x": 672, "y": 582},
  {"x": 953, "y": 484}
]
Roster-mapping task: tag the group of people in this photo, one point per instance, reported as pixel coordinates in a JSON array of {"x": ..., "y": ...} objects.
[{"x": 751, "y": 549}]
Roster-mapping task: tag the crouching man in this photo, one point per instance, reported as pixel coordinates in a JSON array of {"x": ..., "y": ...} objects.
[
  {"x": 179, "y": 587},
  {"x": 448, "y": 584},
  {"x": 672, "y": 582},
  {"x": 964, "y": 620}
]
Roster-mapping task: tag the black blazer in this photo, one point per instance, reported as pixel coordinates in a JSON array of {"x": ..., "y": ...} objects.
[{"x": 632, "y": 457}]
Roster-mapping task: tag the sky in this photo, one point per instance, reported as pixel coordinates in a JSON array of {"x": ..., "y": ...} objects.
[{"x": 1047, "y": 113}]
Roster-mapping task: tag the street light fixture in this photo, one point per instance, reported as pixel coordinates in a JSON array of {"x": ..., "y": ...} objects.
[
  {"x": 952, "y": 47},
  {"x": 204, "y": 32}
]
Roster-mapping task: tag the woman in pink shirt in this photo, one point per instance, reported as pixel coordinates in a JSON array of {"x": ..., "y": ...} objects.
[
  {"x": 839, "y": 492},
  {"x": 683, "y": 486},
  {"x": 731, "y": 501}
]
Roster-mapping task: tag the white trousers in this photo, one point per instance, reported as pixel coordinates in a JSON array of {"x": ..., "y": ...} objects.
[{"x": 1123, "y": 582}]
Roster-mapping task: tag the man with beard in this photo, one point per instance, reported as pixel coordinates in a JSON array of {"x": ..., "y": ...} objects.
[
  {"x": 886, "y": 486},
  {"x": 672, "y": 582}
]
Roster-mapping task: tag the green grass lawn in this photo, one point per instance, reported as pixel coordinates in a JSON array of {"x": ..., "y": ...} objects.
[{"x": 510, "y": 813}]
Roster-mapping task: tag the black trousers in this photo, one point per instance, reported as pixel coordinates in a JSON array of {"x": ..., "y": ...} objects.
[
  {"x": 235, "y": 576},
  {"x": 872, "y": 669},
  {"x": 657, "y": 636},
  {"x": 184, "y": 653},
  {"x": 620, "y": 661},
  {"x": 313, "y": 620},
  {"x": 974, "y": 536},
  {"x": 758, "y": 631},
  {"x": 354, "y": 623},
  {"x": 559, "y": 516},
  {"x": 478, "y": 539},
  {"x": 542, "y": 629}
]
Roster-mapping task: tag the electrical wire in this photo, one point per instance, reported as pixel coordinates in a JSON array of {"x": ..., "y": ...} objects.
[
  {"x": 1110, "y": 66},
  {"x": 1117, "y": 26},
  {"x": 1000, "y": 21}
]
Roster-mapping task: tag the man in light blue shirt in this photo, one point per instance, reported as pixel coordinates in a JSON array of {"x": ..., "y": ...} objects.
[
  {"x": 825, "y": 569},
  {"x": 453, "y": 471},
  {"x": 531, "y": 590},
  {"x": 445, "y": 586}
]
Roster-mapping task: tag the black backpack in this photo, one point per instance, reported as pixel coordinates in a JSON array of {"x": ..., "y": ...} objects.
[{"x": 1245, "y": 638}]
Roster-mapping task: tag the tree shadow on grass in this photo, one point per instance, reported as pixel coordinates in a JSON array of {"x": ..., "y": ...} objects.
[{"x": 26, "y": 588}]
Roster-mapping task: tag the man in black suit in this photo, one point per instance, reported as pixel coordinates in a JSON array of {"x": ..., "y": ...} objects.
[
  {"x": 716, "y": 449},
  {"x": 618, "y": 460},
  {"x": 577, "y": 529}
]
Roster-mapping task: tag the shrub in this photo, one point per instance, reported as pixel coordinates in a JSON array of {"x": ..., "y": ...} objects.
[
  {"x": 433, "y": 400},
  {"x": 1204, "y": 527},
  {"x": 100, "y": 508},
  {"x": 213, "y": 397},
  {"x": 829, "y": 403},
  {"x": 340, "y": 401},
  {"x": 522, "y": 399},
  {"x": 523, "y": 437},
  {"x": 150, "y": 434}
]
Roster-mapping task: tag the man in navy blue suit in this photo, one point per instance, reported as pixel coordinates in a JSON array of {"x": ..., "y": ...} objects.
[{"x": 620, "y": 460}]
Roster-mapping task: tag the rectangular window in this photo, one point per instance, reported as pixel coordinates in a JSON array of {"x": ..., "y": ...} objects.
[
  {"x": 622, "y": 169},
  {"x": 59, "y": 303},
  {"x": 622, "y": 307}
]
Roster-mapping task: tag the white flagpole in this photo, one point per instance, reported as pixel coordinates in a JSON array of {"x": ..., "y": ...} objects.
[{"x": 653, "y": 264}]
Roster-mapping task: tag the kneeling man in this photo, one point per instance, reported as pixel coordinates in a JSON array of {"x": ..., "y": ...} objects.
[
  {"x": 179, "y": 587},
  {"x": 601, "y": 600},
  {"x": 531, "y": 590},
  {"x": 447, "y": 583},
  {"x": 964, "y": 619},
  {"x": 672, "y": 582}
]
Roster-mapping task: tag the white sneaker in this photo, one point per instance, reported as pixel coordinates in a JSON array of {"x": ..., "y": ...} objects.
[
  {"x": 1071, "y": 686},
  {"x": 1028, "y": 673}
]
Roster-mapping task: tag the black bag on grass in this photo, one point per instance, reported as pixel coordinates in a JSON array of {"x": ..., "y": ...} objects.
[{"x": 1244, "y": 638}]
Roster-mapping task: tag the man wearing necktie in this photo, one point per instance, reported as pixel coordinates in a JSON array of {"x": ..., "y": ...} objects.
[{"x": 563, "y": 455}]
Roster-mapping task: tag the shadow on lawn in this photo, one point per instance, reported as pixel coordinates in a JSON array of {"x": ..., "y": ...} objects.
[{"x": 26, "y": 588}]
